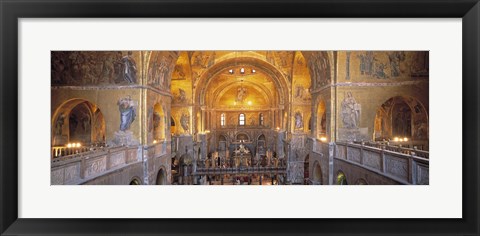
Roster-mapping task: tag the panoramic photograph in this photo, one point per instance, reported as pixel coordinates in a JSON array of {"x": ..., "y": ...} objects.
[{"x": 239, "y": 118}]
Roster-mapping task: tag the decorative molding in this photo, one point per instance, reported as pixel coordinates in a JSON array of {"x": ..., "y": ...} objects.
[
  {"x": 112, "y": 87},
  {"x": 369, "y": 84}
]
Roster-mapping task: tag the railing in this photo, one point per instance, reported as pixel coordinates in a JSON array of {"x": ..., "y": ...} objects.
[
  {"x": 244, "y": 126},
  {"x": 404, "y": 168},
  {"x": 241, "y": 161},
  {"x": 81, "y": 167},
  {"x": 72, "y": 154},
  {"x": 397, "y": 148},
  {"x": 241, "y": 170},
  {"x": 65, "y": 152},
  {"x": 320, "y": 147},
  {"x": 157, "y": 149}
]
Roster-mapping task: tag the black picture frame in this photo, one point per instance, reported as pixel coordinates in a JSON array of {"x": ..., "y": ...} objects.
[{"x": 11, "y": 11}]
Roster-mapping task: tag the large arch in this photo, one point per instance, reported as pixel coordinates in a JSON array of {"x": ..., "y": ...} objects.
[
  {"x": 320, "y": 65},
  {"x": 77, "y": 120},
  {"x": 220, "y": 87},
  {"x": 401, "y": 117},
  {"x": 255, "y": 58},
  {"x": 212, "y": 63},
  {"x": 278, "y": 78}
]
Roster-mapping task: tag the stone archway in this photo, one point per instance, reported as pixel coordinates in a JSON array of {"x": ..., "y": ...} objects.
[
  {"x": 78, "y": 121},
  {"x": 135, "y": 181},
  {"x": 401, "y": 117},
  {"x": 317, "y": 174},
  {"x": 224, "y": 88},
  {"x": 161, "y": 177}
]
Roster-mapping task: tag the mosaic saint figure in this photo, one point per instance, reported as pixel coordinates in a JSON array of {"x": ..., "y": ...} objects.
[
  {"x": 129, "y": 68},
  {"x": 182, "y": 96},
  {"x": 298, "y": 120},
  {"x": 59, "y": 124},
  {"x": 395, "y": 58},
  {"x": 241, "y": 94},
  {"x": 184, "y": 122},
  {"x": 127, "y": 113},
  {"x": 162, "y": 72},
  {"x": 350, "y": 111}
]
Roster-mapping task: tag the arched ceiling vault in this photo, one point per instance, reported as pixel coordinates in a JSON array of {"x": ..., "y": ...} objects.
[
  {"x": 276, "y": 64},
  {"x": 277, "y": 77}
]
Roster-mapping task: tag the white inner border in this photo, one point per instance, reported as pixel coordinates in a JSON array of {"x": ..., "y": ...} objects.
[{"x": 441, "y": 199}]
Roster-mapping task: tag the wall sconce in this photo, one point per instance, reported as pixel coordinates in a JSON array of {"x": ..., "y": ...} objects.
[{"x": 323, "y": 139}]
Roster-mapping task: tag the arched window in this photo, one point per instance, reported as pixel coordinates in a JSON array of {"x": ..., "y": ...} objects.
[
  {"x": 241, "y": 119},
  {"x": 260, "y": 119},
  {"x": 222, "y": 119}
]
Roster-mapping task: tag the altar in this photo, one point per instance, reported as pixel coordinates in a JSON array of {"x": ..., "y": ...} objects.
[{"x": 242, "y": 157}]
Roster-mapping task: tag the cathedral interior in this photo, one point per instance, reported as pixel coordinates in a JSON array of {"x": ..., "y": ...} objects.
[{"x": 239, "y": 117}]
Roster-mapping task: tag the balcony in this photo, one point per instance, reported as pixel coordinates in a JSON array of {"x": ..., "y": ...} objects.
[
  {"x": 404, "y": 165},
  {"x": 86, "y": 164}
]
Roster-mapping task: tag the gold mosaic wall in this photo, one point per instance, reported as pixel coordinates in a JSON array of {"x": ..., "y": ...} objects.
[{"x": 338, "y": 91}]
